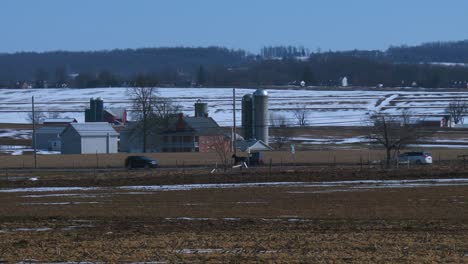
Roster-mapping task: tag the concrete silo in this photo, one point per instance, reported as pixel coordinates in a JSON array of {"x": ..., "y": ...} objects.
[
  {"x": 99, "y": 110},
  {"x": 95, "y": 112},
  {"x": 260, "y": 115},
  {"x": 247, "y": 119},
  {"x": 201, "y": 109}
]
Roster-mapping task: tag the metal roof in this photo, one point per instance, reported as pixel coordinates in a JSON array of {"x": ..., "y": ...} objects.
[
  {"x": 50, "y": 130},
  {"x": 59, "y": 120},
  {"x": 203, "y": 125},
  {"x": 252, "y": 145},
  {"x": 260, "y": 92},
  {"x": 93, "y": 129}
]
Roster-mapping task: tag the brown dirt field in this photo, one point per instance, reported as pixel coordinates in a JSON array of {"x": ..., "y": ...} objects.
[{"x": 307, "y": 224}]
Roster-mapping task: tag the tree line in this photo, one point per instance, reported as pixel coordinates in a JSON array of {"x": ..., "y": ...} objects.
[{"x": 218, "y": 66}]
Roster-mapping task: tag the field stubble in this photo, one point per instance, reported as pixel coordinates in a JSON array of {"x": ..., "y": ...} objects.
[{"x": 251, "y": 224}]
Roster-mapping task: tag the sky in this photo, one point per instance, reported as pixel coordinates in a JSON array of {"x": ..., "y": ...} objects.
[{"x": 76, "y": 25}]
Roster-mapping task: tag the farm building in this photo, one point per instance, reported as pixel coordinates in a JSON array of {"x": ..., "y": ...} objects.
[
  {"x": 87, "y": 138},
  {"x": 186, "y": 134},
  {"x": 48, "y": 137},
  {"x": 193, "y": 134},
  {"x": 116, "y": 116},
  {"x": 431, "y": 121},
  {"x": 254, "y": 148}
]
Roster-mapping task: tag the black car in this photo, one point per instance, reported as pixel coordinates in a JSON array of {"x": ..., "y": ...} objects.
[{"x": 140, "y": 162}]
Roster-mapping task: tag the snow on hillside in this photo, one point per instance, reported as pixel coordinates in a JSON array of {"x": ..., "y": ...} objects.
[{"x": 324, "y": 107}]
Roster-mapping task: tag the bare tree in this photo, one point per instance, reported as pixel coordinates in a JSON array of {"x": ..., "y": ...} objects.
[
  {"x": 221, "y": 145},
  {"x": 301, "y": 115},
  {"x": 53, "y": 115},
  {"x": 393, "y": 132},
  {"x": 280, "y": 137},
  {"x": 457, "y": 109},
  {"x": 38, "y": 117},
  {"x": 152, "y": 112},
  {"x": 277, "y": 120}
]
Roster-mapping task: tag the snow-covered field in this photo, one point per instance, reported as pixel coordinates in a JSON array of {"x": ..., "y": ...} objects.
[{"x": 338, "y": 108}]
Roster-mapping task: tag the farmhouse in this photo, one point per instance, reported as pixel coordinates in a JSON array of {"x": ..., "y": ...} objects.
[
  {"x": 84, "y": 138},
  {"x": 193, "y": 134},
  {"x": 48, "y": 137}
]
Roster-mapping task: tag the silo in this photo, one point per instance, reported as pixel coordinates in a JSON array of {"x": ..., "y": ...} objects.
[
  {"x": 92, "y": 109},
  {"x": 260, "y": 115},
  {"x": 201, "y": 109},
  {"x": 247, "y": 125},
  {"x": 88, "y": 116},
  {"x": 99, "y": 110}
]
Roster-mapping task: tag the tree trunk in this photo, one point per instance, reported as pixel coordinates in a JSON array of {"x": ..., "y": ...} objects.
[{"x": 389, "y": 157}]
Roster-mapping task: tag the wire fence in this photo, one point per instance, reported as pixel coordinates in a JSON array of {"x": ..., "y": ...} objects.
[{"x": 327, "y": 158}]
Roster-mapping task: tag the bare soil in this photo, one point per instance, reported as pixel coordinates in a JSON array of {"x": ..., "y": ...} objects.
[{"x": 252, "y": 224}]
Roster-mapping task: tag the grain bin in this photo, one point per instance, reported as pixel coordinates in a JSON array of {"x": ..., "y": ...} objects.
[{"x": 201, "y": 109}]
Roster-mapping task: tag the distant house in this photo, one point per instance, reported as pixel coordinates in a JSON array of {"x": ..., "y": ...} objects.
[
  {"x": 48, "y": 137},
  {"x": 193, "y": 134},
  {"x": 185, "y": 134},
  {"x": 88, "y": 138},
  {"x": 431, "y": 121},
  {"x": 59, "y": 121}
]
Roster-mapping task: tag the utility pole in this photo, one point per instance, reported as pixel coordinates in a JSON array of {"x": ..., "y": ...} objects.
[
  {"x": 234, "y": 120},
  {"x": 34, "y": 133}
]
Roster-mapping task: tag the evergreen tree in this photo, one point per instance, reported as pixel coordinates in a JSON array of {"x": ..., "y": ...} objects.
[{"x": 201, "y": 76}]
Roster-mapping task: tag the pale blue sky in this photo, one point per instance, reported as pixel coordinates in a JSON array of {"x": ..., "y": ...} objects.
[{"x": 43, "y": 25}]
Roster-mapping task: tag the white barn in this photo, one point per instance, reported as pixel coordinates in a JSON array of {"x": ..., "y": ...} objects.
[{"x": 88, "y": 138}]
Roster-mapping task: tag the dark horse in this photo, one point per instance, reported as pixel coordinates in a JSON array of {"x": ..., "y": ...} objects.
[{"x": 238, "y": 160}]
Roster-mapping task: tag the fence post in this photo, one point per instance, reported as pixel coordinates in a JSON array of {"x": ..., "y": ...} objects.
[
  {"x": 360, "y": 161},
  {"x": 269, "y": 173}
]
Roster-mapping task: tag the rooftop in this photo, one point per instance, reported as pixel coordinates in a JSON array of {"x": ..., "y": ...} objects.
[
  {"x": 50, "y": 130},
  {"x": 94, "y": 129}
]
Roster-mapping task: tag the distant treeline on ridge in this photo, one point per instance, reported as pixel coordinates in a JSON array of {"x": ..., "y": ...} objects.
[{"x": 437, "y": 64}]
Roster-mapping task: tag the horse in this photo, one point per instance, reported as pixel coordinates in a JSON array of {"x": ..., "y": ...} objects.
[{"x": 239, "y": 160}]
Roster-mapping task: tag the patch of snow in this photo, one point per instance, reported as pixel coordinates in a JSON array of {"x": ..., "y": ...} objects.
[
  {"x": 39, "y": 229},
  {"x": 251, "y": 202},
  {"x": 77, "y": 195},
  {"x": 60, "y": 203},
  {"x": 48, "y": 189},
  {"x": 190, "y": 218}
]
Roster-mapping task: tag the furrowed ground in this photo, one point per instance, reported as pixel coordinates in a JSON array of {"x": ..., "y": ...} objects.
[{"x": 296, "y": 215}]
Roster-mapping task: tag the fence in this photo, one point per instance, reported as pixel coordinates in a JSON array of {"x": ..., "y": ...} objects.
[{"x": 277, "y": 158}]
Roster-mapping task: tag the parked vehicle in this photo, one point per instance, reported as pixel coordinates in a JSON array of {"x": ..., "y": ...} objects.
[
  {"x": 140, "y": 162},
  {"x": 415, "y": 157}
]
